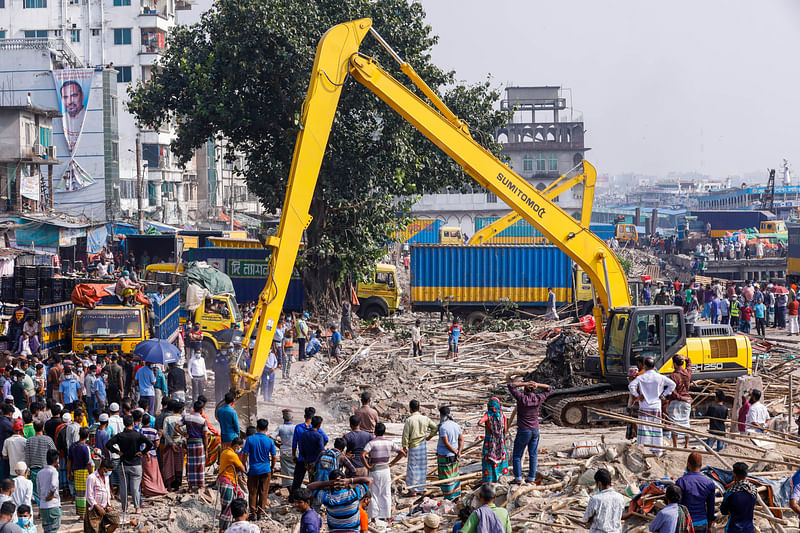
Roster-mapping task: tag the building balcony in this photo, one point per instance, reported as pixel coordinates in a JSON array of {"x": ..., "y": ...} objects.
[
  {"x": 547, "y": 135},
  {"x": 57, "y": 45},
  {"x": 156, "y": 17}
]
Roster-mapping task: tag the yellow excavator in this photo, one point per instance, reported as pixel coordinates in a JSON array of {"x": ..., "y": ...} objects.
[
  {"x": 588, "y": 176},
  {"x": 624, "y": 332}
]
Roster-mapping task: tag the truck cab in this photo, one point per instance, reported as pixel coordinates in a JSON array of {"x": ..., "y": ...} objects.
[
  {"x": 627, "y": 233},
  {"x": 214, "y": 314},
  {"x": 450, "y": 235},
  {"x": 118, "y": 328},
  {"x": 772, "y": 226},
  {"x": 380, "y": 296},
  {"x": 110, "y": 328},
  {"x": 584, "y": 298}
]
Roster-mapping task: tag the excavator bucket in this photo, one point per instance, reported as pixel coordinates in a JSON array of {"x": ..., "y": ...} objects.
[{"x": 246, "y": 406}]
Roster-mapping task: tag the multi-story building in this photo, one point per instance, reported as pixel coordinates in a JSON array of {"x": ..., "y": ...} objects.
[
  {"x": 127, "y": 35},
  {"x": 85, "y": 177},
  {"x": 542, "y": 141},
  {"x": 211, "y": 179},
  {"x": 26, "y": 158}
]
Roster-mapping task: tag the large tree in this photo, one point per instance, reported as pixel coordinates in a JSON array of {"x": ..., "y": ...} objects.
[{"x": 242, "y": 72}]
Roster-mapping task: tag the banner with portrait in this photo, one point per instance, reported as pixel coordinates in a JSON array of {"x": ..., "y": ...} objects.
[
  {"x": 74, "y": 178},
  {"x": 73, "y": 87}
]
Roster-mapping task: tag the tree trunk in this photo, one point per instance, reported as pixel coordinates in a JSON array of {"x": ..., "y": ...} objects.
[{"x": 321, "y": 296}]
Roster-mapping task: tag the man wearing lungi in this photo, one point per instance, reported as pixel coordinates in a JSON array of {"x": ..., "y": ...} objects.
[
  {"x": 648, "y": 389},
  {"x": 680, "y": 401},
  {"x": 417, "y": 429}
]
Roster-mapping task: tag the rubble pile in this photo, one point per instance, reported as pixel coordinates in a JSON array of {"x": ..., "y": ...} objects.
[{"x": 563, "y": 362}]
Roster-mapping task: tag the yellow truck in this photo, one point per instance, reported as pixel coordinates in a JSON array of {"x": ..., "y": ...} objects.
[{"x": 111, "y": 327}]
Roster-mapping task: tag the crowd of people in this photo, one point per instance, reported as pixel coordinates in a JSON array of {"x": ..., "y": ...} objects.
[{"x": 751, "y": 307}]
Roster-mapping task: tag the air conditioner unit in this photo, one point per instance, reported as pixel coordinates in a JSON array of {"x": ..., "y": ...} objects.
[{"x": 39, "y": 150}]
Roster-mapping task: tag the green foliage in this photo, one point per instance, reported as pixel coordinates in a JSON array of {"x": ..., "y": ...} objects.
[
  {"x": 242, "y": 72},
  {"x": 627, "y": 264}
]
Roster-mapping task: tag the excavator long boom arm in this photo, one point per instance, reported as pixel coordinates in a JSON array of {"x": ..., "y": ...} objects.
[
  {"x": 588, "y": 177},
  {"x": 337, "y": 56}
]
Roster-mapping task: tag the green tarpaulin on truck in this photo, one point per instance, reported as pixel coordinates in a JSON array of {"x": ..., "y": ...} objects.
[{"x": 209, "y": 278}]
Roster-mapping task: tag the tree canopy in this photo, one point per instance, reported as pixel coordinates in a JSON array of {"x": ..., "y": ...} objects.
[{"x": 242, "y": 72}]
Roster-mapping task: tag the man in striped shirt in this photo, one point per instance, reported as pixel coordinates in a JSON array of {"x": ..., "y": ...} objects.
[
  {"x": 100, "y": 514},
  {"x": 341, "y": 500}
]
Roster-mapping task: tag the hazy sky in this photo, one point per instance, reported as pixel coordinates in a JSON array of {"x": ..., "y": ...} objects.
[{"x": 711, "y": 86}]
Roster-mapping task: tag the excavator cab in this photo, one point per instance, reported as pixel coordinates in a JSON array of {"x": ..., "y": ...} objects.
[{"x": 639, "y": 332}]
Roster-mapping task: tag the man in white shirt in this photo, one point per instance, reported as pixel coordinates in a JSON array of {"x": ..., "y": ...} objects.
[
  {"x": 14, "y": 446},
  {"x": 23, "y": 487},
  {"x": 604, "y": 512},
  {"x": 758, "y": 414},
  {"x": 197, "y": 371},
  {"x": 268, "y": 376},
  {"x": 49, "y": 500},
  {"x": 649, "y": 389},
  {"x": 100, "y": 513}
]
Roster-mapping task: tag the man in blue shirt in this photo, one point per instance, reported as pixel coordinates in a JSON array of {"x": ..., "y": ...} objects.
[
  {"x": 698, "y": 493},
  {"x": 228, "y": 421},
  {"x": 666, "y": 521},
  {"x": 147, "y": 391},
  {"x": 335, "y": 343},
  {"x": 739, "y": 502},
  {"x": 69, "y": 387},
  {"x": 259, "y": 453},
  {"x": 100, "y": 394},
  {"x": 307, "y": 448},
  {"x": 341, "y": 500}
]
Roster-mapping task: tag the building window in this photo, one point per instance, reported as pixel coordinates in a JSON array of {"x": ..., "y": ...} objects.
[
  {"x": 491, "y": 198},
  {"x": 75, "y": 36},
  {"x": 35, "y": 34},
  {"x": 122, "y": 36},
  {"x": 123, "y": 74},
  {"x": 95, "y": 32},
  {"x": 2, "y": 32},
  {"x": 45, "y": 136},
  {"x": 3, "y": 4},
  {"x": 527, "y": 163},
  {"x": 553, "y": 160},
  {"x": 122, "y": 2},
  {"x": 127, "y": 189},
  {"x": 540, "y": 162},
  {"x": 114, "y": 151},
  {"x": 31, "y": 4}
]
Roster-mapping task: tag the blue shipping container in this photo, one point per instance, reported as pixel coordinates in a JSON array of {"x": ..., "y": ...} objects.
[
  {"x": 732, "y": 219},
  {"x": 521, "y": 228},
  {"x": 604, "y": 231},
  {"x": 489, "y": 275},
  {"x": 430, "y": 235},
  {"x": 247, "y": 268}
]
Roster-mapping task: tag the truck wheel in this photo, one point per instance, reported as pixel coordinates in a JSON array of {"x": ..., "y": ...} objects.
[
  {"x": 373, "y": 312},
  {"x": 209, "y": 352},
  {"x": 475, "y": 319}
]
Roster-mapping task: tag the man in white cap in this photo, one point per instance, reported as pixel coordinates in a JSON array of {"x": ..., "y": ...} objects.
[
  {"x": 115, "y": 427},
  {"x": 101, "y": 435},
  {"x": 431, "y": 523},
  {"x": 23, "y": 487},
  {"x": 115, "y": 424}
]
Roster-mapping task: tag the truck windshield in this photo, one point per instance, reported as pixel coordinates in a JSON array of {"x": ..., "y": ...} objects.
[
  {"x": 107, "y": 323},
  {"x": 237, "y": 314}
]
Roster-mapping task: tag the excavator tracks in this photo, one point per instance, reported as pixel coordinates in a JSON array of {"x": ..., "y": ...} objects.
[{"x": 575, "y": 412}]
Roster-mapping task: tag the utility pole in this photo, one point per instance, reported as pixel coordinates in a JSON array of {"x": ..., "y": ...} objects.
[
  {"x": 233, "y": 194},
  {"x": 139, "y": 183}
]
